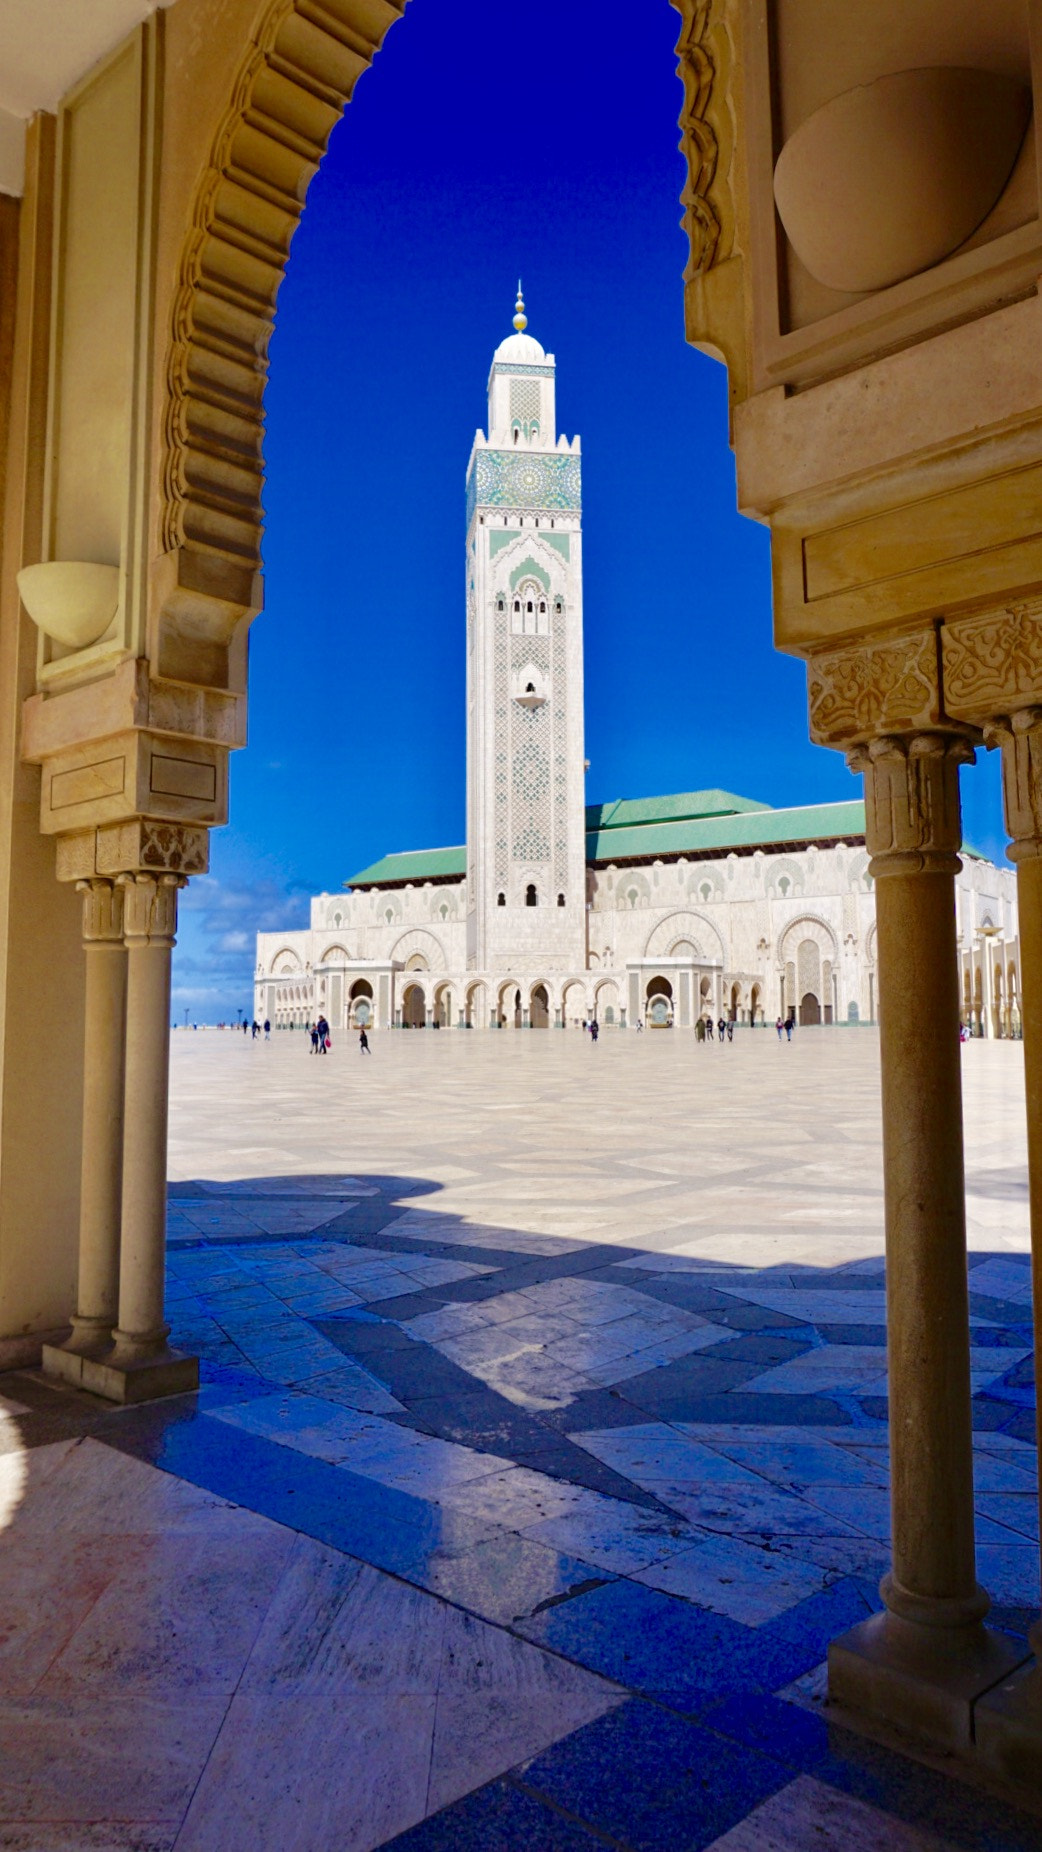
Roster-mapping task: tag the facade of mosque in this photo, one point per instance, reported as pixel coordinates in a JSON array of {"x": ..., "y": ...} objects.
[{"x": 655, "y": 911}]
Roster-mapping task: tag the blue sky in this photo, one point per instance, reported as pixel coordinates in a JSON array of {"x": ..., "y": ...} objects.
[{"x": 546, "y": 148}]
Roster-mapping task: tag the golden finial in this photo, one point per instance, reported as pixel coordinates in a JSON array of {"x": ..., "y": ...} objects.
[{"x": 520, "y": 318}]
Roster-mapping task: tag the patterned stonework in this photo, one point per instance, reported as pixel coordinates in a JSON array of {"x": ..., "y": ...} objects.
[
  {"x": 992, "y": 664},
  {"x": 102, "y": 912},
  {"x": 890, "y": 686},
  {"x": 150, "y": 908}
]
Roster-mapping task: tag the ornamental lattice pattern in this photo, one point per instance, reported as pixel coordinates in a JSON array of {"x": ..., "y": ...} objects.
[
  {"x": 531, "y": 799},
  {"x": 524, "y": 400},
  {"x": 501, "y": 793}
]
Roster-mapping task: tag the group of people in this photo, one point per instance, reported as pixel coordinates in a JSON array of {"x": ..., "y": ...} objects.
[
  {"x": 704, "y": 1030},
  {"x": 322, "y": 1042},
  {"x": 253, "y": 1029},
  {"x": 785, "y": 1027},
  {"x": 592, "y": 1028}
]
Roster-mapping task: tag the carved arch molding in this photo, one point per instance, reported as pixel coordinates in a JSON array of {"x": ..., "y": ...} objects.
[{"x": 296, "y": 76}]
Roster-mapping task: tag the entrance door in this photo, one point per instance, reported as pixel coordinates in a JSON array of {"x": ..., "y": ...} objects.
[
  {"x": 539, "y": 1014},
  {"x": 414, "y": 1015},
  {"x": 810, "y": 1009}
]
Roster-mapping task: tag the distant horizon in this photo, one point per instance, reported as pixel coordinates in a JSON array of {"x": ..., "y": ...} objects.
[{"x": 400, "y": 284}]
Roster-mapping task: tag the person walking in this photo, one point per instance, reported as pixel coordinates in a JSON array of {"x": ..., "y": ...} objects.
[
  {"x": 314, "y": 1038},
  {"x": 267, "y": 1030},
  {"x": 700, "y": 1030},
  {"x": 730, "y": 1031},
  {"x": 363, "y": 1041},
  {"x": 709, "y": 1028},
  {"x": 789, "y": 1027},
  {"x": 721, "y": 1031},
  {"x": 780, "y": 1026},
  {"x": 595, "y": 1029},
  {"x": 322, "y": 1029}
]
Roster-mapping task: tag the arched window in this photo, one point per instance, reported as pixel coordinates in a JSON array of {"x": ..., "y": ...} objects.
[
  {"x": 558, "y": 607},
  {"x": 501, "y": 603},
  {"x": 560, "y": 900},
  {"x": 516, "y": 433},
  {"x": 542, "y": 607},
  {"x": 530, "y": 899},
  {"x": 530, "y": 605},
  {"x": 501, "y": 900},
  {"x": 517, "y": 607}
]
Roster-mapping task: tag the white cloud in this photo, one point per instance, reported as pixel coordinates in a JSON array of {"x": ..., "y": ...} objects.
[{"x": 213, "y": 961}]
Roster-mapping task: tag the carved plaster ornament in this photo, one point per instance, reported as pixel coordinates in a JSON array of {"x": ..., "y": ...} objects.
[{"x": 892, "y": 176}]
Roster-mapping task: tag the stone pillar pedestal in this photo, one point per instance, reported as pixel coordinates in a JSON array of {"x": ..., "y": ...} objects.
[
  {"x": 1009, "y": 1719},
  {"x": 919, "y": 1665},
  {"x": 102, "y": 1146}
]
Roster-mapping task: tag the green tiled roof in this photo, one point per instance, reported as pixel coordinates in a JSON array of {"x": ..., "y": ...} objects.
[
  {"x": 681, "y": 807},
  {"x": 749, "y": 828},
  {"x": 413, "y": 865}
]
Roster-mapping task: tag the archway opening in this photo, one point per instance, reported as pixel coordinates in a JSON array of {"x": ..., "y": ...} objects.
[
  {"x": 659, "y": 1003},
  {"x": 414, "y": 1010},
  {"x": 539, "y": 1008}
]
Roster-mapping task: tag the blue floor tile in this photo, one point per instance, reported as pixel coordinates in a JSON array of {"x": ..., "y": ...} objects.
[
  {"x": 652, "y": 1781},
  {"x": 499, "y": 1818},
  {"x": 648, "y": 1642}
]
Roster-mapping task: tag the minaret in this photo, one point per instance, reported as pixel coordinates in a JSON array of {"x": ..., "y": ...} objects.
[{"x": 526, "y": 847}]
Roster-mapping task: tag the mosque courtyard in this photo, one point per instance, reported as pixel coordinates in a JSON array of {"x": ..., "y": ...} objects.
[{"x": 541, "y": 1449}]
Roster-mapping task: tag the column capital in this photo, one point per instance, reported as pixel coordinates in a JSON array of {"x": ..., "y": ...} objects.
[
  {"x": 913, "y": 823},
  {"x": 150, "y": 908},
  {"x": 1020, "y": 737},
  {"x": 102, "y": 912}
]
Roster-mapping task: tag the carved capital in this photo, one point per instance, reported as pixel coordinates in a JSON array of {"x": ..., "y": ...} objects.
[
  {"x": 873, "y": 687},
  {"x": 992, "y": 663},
  {"x": 1020, "y": 738},
  {"x": 150, "y": 908},
  {"x": 102, "y": 912},
  {"x": 913, "y": 823}
]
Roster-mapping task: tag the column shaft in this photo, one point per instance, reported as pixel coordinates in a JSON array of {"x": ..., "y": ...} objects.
[
  {"x": 931, "y": 1458},
  {"x": 151, "y": 917},
  {"x": 102, "y": 1153}
]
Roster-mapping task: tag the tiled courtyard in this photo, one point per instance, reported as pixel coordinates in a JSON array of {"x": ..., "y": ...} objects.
[{"x": 540, "y": 1452}]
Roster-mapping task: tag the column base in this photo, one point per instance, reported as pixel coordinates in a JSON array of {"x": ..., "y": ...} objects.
[
  {"x": 169, "y": 1372},
  {"x": 1008, "y": 1729},
  {"x": 920, "y": 1681},
  {"x": 89, "y": 1338}
]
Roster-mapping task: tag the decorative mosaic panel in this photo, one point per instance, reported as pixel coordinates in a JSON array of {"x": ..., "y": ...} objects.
[
  {"x": 560, "y": 756},
  {"x": 532, "y": 806},
  {"x": 501, "y": 709},
  {"x": 505, "y": 479},
  {"x": 509, "y": 368}
]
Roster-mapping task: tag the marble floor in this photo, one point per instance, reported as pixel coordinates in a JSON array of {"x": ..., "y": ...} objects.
[{"x": 541, "y": 1449}]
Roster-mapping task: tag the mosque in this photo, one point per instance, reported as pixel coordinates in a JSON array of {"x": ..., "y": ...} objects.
[{"x": 652, "y": 910}]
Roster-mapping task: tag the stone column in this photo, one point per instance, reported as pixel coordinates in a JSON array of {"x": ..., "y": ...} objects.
[
  {"x": 141, "y": 1363},
  {"x": 1009, "y": 1721},
  {"x": 102, "y": 1140},
  {"x": 100, "y": 1174},
  {"x": 919, "y": 1665}
]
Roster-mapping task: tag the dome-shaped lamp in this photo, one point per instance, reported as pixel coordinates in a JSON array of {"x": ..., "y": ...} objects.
[{"x": 72, "y": 601}]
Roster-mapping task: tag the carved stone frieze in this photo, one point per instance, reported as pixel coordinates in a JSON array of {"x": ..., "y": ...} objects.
[
  {"x": 992, "y": 663},
  {"x": 150, "y": 908},
  {"x": 125, "y": 848},
  {"x": 102, "y": 912},
  {"x": 296, "y": 75},
  {"x": 913, "y": 821},
  {"x": 697, "y": 71},
  {"x": 887, "y": 686}
]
